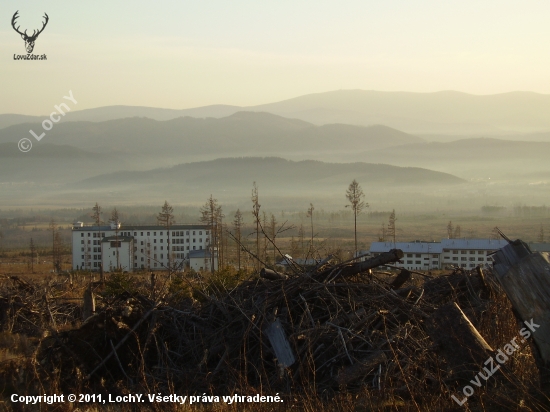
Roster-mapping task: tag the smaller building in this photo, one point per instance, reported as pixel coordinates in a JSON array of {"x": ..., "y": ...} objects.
[
  {"x": 201, "y": 260},
  {"x": 117, "y": 252}
]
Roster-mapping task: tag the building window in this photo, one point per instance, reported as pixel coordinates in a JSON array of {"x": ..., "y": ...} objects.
[
  {"x": 480, "y": 259},
  {"x": 187, "y": 247},
  {"x": 161, "y": 240},
  {"x": 81, "y": 242},
  {"x": 142, "y": 243},
  {"x": 455, "y": 252},
  {"x": 194, "y": 247},
  {"x": 148, "y": 233},
  {"x": 455, "y": 258},
  {"x": 435, "y": 263},
  {"x": 480, "y": 252},
  {"x": 141, "y": 234},
  {"x": 82, "y": 235},
  {"x": 472, "y": 259},
  {"x": 200, "y": 232},
  {"x": 187, "y": 233},
  {"x": 194, "y": 240},
  {"x": 418, "y": 262},
  {"x": 435, "y": 256},
  {"x": 154, "y": 240},
  {"x": 155, "y": 248},
  {"x": 193, "y": 232},
  {"x": 200, "y": 240},
  {"x": 142, "y": 259},
  {"x": 463, "y": 252},
  {"x": 161, "y": 256},
  {"x": 409, "y": 262},
  {"x": 463, "y": 259},
  {"x": 160, "y": 233},
  {"x": 162, "y": 248},
  {"x": 155, "y": 264}
]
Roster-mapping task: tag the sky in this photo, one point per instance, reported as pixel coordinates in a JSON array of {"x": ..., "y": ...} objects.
[{"x": 182, "y": 54}]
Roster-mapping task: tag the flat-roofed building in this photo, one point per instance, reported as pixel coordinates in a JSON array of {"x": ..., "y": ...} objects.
[{"x": 151, "y": 246}]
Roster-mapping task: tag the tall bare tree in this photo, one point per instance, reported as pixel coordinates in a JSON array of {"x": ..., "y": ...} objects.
[
  {"x": 166, "y": 219},
  {"x": 273, "y": 234},
  {"x": 237, "y": 226},
  {"x": 355, "y": 196},
  {"x": 310, "y": 215},
  {"x": 58, "y": 251},
  {"x": 256, "y": 213},
  {"x": 116, "y": 221},
  {"x": 32, "y": 248},
  {"x": 52, "y": 227},
  {"x": 211, "y": 214}
]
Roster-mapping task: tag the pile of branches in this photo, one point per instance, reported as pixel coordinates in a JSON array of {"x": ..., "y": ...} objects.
[{"x": 331, "y": 328}]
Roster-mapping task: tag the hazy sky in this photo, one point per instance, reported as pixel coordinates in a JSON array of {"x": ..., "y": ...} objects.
[{"x": 180, "y": 54}]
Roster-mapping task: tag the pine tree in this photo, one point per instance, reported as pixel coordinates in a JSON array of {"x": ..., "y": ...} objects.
[
  {"x": 355, "y": 194},
  {"x": 450, "y": 230},
  {"x": 391, "y": 226}
]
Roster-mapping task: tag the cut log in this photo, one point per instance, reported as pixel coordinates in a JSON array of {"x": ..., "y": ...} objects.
[
  {"x": 393, "y": 255},
  {"x": 277, "y": 337},
  {"x": 271, "y": 274},
  {"x": 401, "y": 278}
]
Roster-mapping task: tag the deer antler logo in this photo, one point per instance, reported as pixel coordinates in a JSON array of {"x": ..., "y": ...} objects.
[{"x": 29, "y": 40}]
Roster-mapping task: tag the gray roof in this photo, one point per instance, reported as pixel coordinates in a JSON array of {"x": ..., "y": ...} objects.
[
  {"x": 474, "y": 244},
  {"x": 406, "y": 247},
  {"x": 148, "y": 227},
  {"x": 199, "y": 254}
]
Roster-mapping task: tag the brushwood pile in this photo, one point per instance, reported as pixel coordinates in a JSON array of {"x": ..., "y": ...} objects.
[{"x": 331, "y": 328}]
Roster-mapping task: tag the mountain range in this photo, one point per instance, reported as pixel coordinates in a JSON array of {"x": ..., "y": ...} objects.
[{"x": 446, "y": 112}]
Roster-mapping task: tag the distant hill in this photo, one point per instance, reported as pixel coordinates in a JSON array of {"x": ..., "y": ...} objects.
[
  {"x": 276, "y": 175},
  {"x": 188, "y": 138},
  {"x": 441, "y": 112},
  {"x": 446, "y": 112}
]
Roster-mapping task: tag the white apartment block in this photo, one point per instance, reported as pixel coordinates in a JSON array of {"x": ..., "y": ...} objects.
[
  {"x": 139, "y": 247},
  {"x": 418, "y": 255}
]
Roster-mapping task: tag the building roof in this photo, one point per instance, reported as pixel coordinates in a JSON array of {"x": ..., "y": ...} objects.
[
  {"x": 474, "y": 244},
  {"x": 406, "y": 247},
  {"x": 148, "y": 227},
  {"x": 199, "y": 254},
  {"x": 298, "y": 261}
]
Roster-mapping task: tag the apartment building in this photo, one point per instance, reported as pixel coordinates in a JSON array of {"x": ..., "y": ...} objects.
[
  {"x": 419, "y": 255},
  {"x": 138, "y": 247}
]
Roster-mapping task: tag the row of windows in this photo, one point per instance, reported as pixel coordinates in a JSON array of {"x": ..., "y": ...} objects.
[
  {"x": 175, "y": 233},
  {"x": 465, "y": 252}
]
